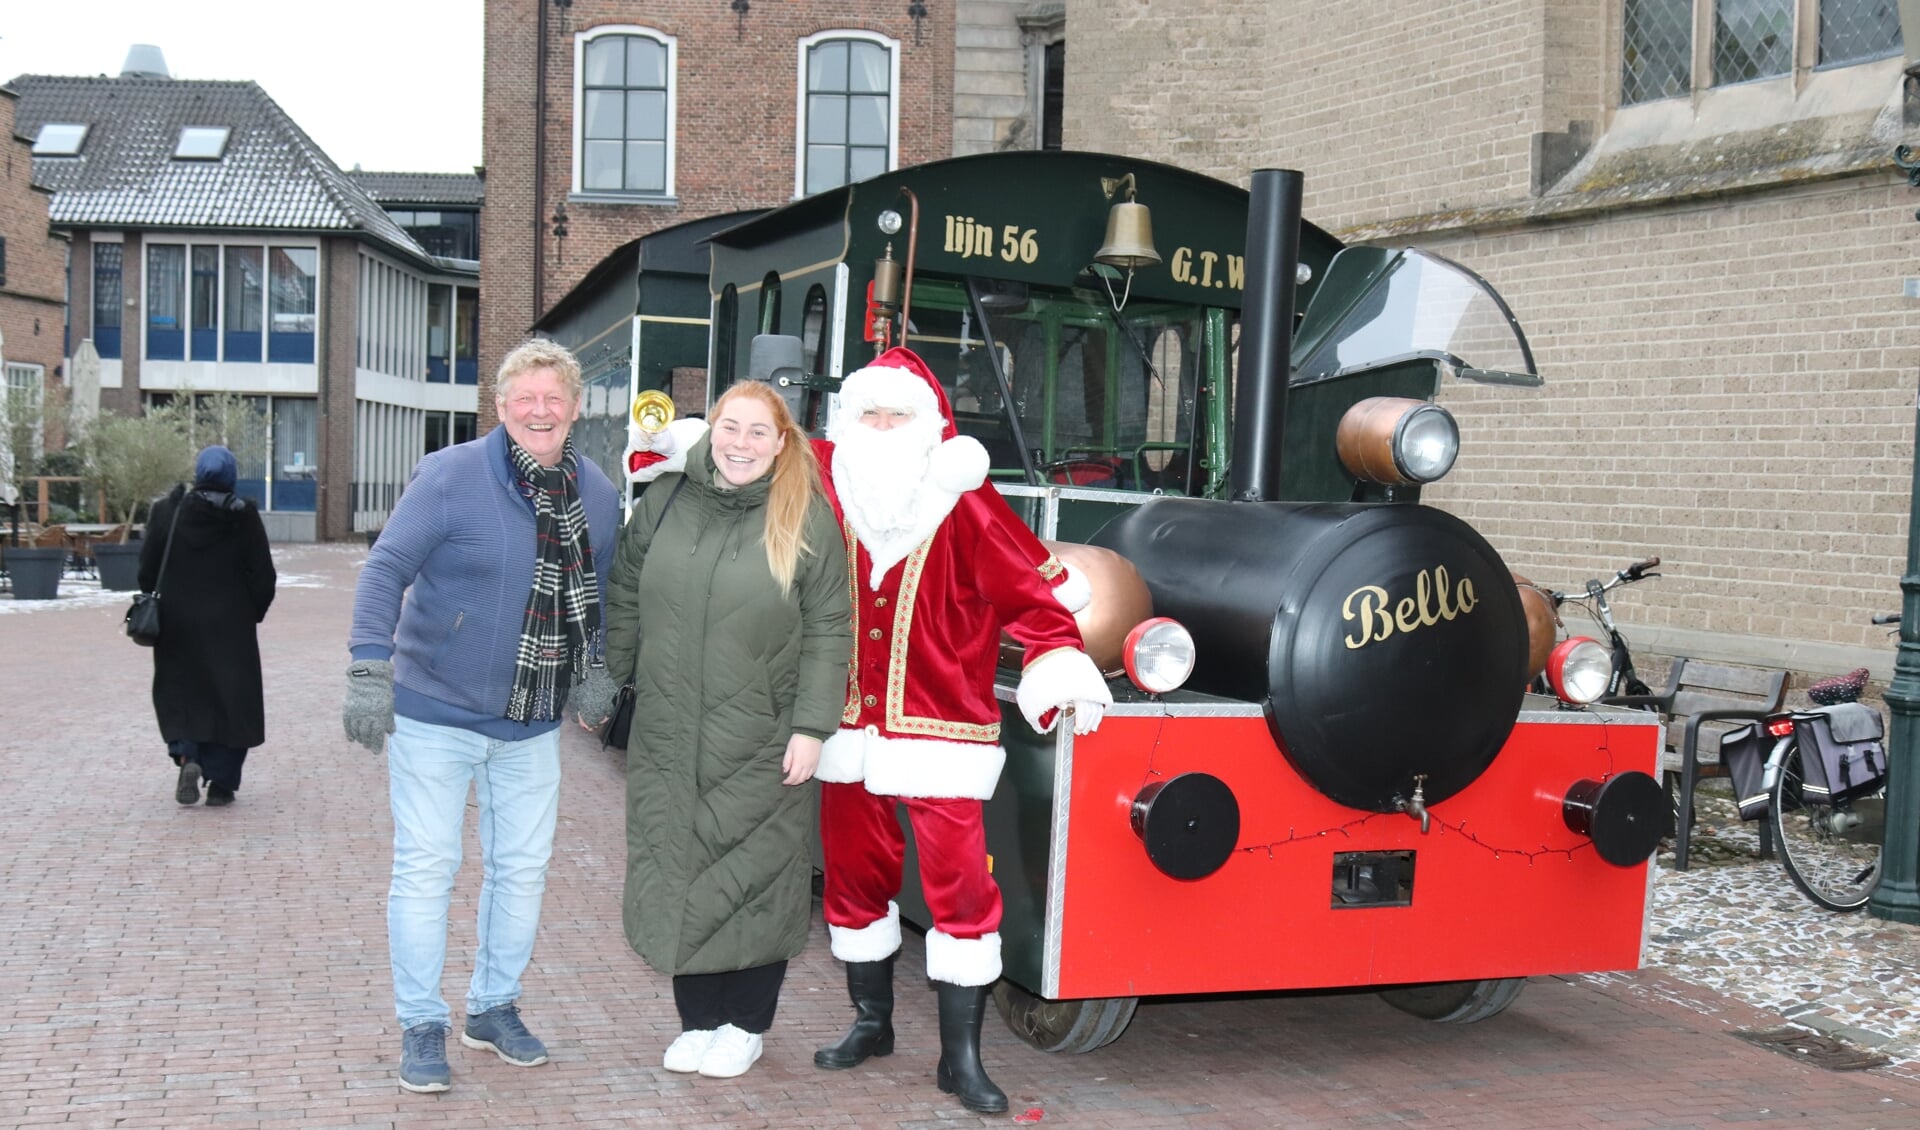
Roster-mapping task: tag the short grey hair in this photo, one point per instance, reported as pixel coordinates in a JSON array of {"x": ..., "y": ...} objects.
[{"x": 539, "y": 353}]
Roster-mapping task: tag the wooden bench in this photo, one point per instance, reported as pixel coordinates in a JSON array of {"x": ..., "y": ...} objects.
[{"x": 1701, "y": 702}]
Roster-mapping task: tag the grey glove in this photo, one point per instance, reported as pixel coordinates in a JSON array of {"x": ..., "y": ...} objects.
[
  {"x": 368, "y": 715},
  {"x": 592, "y": 696}
]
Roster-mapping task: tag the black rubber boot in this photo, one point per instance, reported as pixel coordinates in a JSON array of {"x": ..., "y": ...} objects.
[
  {"x": 961, "y": 1073},
  {"x": 870, "y": 984}
]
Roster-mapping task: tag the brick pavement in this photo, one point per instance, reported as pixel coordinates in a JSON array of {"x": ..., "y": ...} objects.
[{"x": 165, "y": 966}]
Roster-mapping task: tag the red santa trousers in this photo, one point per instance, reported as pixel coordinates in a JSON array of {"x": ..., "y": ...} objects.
[{"x": 864, "y": 849}]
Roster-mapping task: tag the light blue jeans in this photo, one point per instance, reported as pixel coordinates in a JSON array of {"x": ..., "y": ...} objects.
[{"x": 518, "y": 787}]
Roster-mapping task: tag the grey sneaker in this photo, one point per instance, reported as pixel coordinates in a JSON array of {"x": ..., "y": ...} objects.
[
  {"x": 186, "y": 789},
  {"x": 423, "y": 1059},
  {"x": 500, "y": 1031}
]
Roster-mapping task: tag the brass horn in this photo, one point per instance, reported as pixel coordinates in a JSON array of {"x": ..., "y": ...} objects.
[{"x": 652, "y": 411}]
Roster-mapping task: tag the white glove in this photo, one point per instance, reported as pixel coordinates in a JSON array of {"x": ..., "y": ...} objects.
[{"x": 1060, "y": 680}]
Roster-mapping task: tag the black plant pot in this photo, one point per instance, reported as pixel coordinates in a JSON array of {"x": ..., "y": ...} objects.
[
  {"x": 119, "y": 565},
  {"x": 35, "y": 571}
]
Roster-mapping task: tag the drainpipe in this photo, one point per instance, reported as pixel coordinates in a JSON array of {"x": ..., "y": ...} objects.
[{"x": 539, "y": 159}]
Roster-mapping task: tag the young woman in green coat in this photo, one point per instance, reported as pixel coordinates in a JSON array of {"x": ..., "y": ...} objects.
[{"x": 728, "y": 608}]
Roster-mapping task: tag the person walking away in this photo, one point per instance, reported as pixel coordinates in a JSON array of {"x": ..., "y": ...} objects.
[
  {"x": 500, "y": 548},
  {"x": 219, "y": 583},
  {"x": 729, "y": 610},
  {"x": 941, "y": 566}
]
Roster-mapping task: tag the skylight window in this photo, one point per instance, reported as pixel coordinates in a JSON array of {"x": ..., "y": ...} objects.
[
  {"x": 201, "y": 143},
  {"x": 59, "y": 139}
]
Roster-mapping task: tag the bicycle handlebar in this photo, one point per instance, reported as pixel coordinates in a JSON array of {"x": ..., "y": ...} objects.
[{"x": 1885, "y": 618}]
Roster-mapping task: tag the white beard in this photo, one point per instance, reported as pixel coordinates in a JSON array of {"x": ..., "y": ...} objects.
[{"x": 881, "y": 478}]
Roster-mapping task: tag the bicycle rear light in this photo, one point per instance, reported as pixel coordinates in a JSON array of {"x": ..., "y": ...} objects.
[
  {"x": 1396, "y": 440},
  {"x": 1780, "y": 727},
  {"x": 1578, "y": 670}
]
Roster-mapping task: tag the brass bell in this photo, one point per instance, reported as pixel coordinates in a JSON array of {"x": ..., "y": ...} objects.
[
  {"x": 1129, "y": 243},
  {"x": 652, "y": 411}
]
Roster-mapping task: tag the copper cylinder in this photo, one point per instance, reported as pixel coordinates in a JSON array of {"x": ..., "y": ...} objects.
[
  {"x": 1364, "y": 438},
  {"x": 1542, "y": 625},
  {"x": 1120, "y": 600}
]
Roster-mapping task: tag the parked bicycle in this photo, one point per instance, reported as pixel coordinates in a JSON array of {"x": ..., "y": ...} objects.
[
  {"x": 1622, "y": 680},
  {"x": 1822, "y": 788}
]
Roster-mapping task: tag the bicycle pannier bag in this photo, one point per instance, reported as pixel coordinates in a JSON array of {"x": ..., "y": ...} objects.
[
  {"x": 1841, "y": 751},
  {"x": 1743, "y": 750}
]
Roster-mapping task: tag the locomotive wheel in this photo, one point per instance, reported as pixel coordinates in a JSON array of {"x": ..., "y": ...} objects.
[
  {"x": 1063, "y": 1027},
  {"x": 1455, "y": 1002}
]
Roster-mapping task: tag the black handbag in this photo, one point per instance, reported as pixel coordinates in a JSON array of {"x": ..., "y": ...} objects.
[
  {"x": 143, "y": 619},
  {"x": 619, "y": 724}
]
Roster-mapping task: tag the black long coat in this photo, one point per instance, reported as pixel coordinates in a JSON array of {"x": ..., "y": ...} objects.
[{"x": 216, "y": 589}]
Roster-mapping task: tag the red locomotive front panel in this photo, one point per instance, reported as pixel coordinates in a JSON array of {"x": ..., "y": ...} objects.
[{"x": 1314, "y": 894}]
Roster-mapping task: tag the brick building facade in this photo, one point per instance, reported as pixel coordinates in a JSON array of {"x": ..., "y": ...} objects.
[
  {"x": 701, "y": 111},
  {"x": 33, "y": 264},
  {"x": 1697, "y": 222}
]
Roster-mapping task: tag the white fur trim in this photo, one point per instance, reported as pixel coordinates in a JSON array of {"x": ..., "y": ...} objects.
[
  {"x": 843, "y": 757},
  {"x": 876, "y": 941},
  {"x": 1055, "y": 681},
  {"x": 958, "y": 465},
  {"x": 1073, "y": 592},
  {"x": 886, "y": 386},
  {"x": 926, "y": 767},
  {"x": 963, "y": 961},
  {"x": 674, "y": 443}
]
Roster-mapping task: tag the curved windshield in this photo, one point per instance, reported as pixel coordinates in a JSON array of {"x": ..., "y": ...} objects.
[{"x": 1378, "y": 305}]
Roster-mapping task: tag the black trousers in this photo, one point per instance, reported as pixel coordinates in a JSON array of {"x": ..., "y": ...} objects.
[
  {"x": 219, "y": 764},
  {"x": 744, "y": 998}
]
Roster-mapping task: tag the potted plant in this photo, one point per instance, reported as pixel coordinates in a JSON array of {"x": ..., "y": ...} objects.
[
  {"x": 132, "y": 460},
  {"x": 35, "y": 570}
]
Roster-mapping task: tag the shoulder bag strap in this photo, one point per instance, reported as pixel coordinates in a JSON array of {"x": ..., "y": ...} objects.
[
  {"x": 168, "y": 552},
  {"x": 671, "y": 495}
]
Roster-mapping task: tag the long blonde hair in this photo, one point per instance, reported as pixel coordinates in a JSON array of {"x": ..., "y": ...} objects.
[{"x": 796, "y": 479}]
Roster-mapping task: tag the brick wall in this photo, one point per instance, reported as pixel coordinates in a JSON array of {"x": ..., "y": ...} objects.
[
  {"x": 340, "y": 274},
  {"x": 33, "y": 297},
  {"x": 1729, "y": 379},
  {"x": 735, "y": 145}
]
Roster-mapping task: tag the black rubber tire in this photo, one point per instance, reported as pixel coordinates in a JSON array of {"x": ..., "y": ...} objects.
[
  {"x": 1456, "y": 1002},
  {"x": 1836, "y": 870},
  {"x": 1063, "y": 1027}
]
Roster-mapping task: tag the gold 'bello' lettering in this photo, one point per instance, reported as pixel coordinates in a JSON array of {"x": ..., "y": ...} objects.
[{"x": 1435, "y": 599}]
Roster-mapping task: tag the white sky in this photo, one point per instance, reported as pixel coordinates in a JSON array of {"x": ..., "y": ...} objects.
[{"x": 385, "y": 84}]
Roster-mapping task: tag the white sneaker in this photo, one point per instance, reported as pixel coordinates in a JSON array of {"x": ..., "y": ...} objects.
[
  {"x": 684, "y": 1053},
  {"x": 733, "y": 1051}
]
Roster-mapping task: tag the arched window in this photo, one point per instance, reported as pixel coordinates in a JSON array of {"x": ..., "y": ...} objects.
[
  {"x": 623, "y": 119},
  {"x": 814, "y": 346},
  {"x": 849, "y": 114},
  {"x": 726, "y": 322},
  {"x": 770, "y": 303}
]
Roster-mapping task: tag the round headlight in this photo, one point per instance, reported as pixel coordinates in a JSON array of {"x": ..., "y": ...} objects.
[
  {"x": 1394, "y": 440},
  {"x": 1578, "y": 670},
  {"x": 1158, "y": 654},
  {"x": 1426, "y": 443}
]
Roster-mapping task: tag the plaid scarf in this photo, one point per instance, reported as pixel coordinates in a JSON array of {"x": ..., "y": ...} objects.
[{"x": 561, "y": 631}]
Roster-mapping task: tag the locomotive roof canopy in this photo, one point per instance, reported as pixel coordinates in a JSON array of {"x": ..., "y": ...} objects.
[{"x": 1032, "y": 216}]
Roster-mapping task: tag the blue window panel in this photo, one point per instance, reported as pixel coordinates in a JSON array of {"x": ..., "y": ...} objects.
[
  {"x": 437, "y": 370},
  {"x": 206, "y": 345},
  {"x": 466, "y": 372},
  {"x": 293, "y": 348},
  {"x": 294, "y": 494},
  {"x": 243, "y": 345},
  {"x": 166, "y": 345},
  {"x": 255, "y": 489},
  {"x": 106, "y": 339}
]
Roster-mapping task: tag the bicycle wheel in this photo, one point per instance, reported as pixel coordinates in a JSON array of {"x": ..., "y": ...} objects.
[{"x": 1832, "y": 851}]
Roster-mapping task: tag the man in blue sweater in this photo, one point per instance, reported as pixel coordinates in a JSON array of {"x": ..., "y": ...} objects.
[{"x": 500, "y": 548}]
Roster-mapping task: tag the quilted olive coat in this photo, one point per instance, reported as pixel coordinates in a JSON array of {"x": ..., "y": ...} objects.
[{"x": 725, "y": 668}]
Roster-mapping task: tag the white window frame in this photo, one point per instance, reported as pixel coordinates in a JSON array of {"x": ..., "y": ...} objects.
[
  {"x": 672, "y": 44},
  {"x": 31, "y": 379},
  {"x": 806, "y": 44}
]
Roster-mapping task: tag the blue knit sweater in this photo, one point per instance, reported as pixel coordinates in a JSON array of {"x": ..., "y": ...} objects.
[{"x": 460, "y": 549}]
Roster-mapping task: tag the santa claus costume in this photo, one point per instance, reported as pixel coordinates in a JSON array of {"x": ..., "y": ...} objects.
[{"x": 940, "y": 566}]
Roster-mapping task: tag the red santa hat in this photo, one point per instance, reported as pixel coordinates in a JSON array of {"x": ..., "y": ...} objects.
[{"x": 898, "y": 378}]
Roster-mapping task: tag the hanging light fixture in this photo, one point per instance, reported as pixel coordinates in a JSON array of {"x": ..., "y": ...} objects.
[
  {"x": 740, "y": 9},
  {"x": 918, "y": 11}
]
